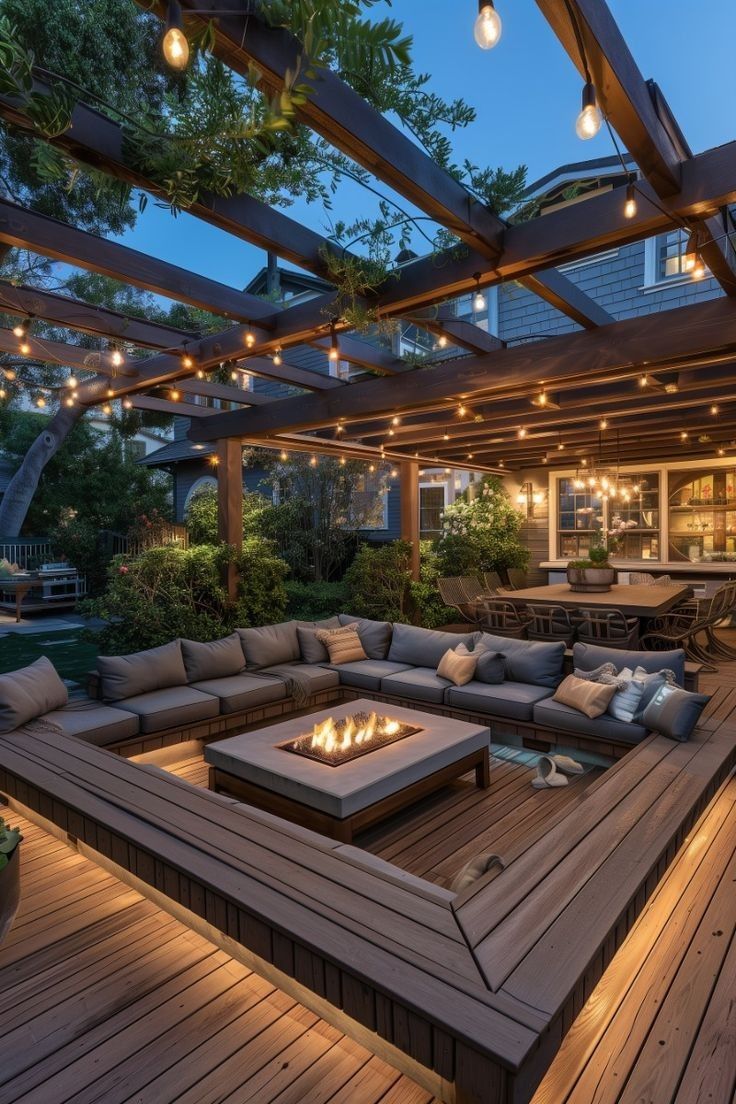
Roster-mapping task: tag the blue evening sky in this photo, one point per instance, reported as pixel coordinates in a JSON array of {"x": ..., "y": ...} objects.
[{"x": 526, "y": 93}]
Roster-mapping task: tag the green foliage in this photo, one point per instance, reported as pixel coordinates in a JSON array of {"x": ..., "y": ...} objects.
[
  {"x": 378, "y": 581},
  {"x": 314, "y": 601},
  {"x": 482, "y": 533},
  {"x": 169, "y": 592},
  {"x": 9, "y": 840},
  {"x": 428, "y": 608}
]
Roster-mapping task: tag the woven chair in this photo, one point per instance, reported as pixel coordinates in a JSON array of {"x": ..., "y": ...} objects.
[
  {"x": 643, "y": 578},
  {"x": 462, "y": 593},
  {"x": 690, "y": 620},
  {"x": 551, "y": 623},
  {"x": 609, "y": 627},
  {"x": 723, "y": 609},
  {"x": 517, "y": 578},
  {"x": 503, "y": 618}
]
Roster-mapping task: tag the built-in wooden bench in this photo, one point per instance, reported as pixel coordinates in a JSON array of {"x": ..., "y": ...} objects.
[{"x": 472, "y": 996}]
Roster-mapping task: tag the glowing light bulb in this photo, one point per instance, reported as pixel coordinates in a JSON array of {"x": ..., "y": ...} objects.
[
  {"x": 40, "y": 402},
  {"x": 3, "y": 393},
  {"x": 371, "y": 467},
  {"x": 107, "y": 409},
  {"x": 721, "y": 452},
  {"x": 643, "y": 380},
  {"x": 175, "y": 46},
  {"x": 461, "y": 410},
  {"x": 442, "y": 341},
  {"x": 24, "y": 348},
  {"x": 589, "y": 120},
  {"x": 714, "y": 409},
  {"x": 72, "y": 382},
  {"x": 542, "y": 398},
  {"x": 630, "y": 204},
  {"x": 521, "y": 434},
  {"x": 233, "y": 375},
  {"x": 394, "y": 473},
  {"x": 175, "y": 396},
  {"x": 487, "y": 27},
  {"x": 445, "y": 436},
  {"x": 284, "y": 456},
  {"x": 396, "y": 420},
  {"x": 339, "y": 428},
  {"x": 127, "y": 404},
  {"x": 342, "y": 460},
  {"x": 69, "y": 401},
  {"x": 698, "y": 270},
  {"x": 277, "y": 358},
  {"x": 604, "y": 423},
  {"x": 250, "y": 339},
  {"x": 684, "y": 435},
  {"x": 116, "y": 358},
  {"x": 110, "y": 393},
  {"x": 313, "y": 461},
  {"x": 20, "y": 329},
  {"x": 479, "y": 301},
  {"x": 334, "y": 354},
  {"x": 187, "y": 361},
  {"x": 200, "y": 373}
]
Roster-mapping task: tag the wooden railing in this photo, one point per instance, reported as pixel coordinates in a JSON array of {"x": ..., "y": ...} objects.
[{"x": 28, "y": 552}]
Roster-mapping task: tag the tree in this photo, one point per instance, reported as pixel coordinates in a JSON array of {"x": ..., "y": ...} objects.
[{"x": 482, "y": 532}]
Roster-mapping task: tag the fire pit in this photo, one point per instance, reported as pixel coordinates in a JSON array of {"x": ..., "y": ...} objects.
[{"x": 336, "y": 742}]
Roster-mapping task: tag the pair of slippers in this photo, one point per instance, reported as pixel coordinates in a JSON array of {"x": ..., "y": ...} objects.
[{"x": 552, "y": 771}]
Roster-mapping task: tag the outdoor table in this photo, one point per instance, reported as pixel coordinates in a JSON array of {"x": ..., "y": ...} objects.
[
  {"x": 633, "y": 601},
  {"x": 18, "y": 587}
]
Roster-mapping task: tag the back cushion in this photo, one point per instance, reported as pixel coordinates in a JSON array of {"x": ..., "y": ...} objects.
[
  {"x": 217, "y": 659},
  {"x": 375, "y": 636},
  {"x": 270, "y": 644},
  {"x": 140, "y": 673},
  {"x": 535, "y": 662},
  {"x": 310, "y": 648},
  {"x": 29, "y": 693},
  {"x": 425, "y": 647},
  {"x": 589, "y": 656}
]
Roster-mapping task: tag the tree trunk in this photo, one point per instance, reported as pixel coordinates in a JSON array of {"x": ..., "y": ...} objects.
[{"x": 22, "y": 487}]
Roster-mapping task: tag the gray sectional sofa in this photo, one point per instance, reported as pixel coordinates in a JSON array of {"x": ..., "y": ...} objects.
[{"x": 186, "y": 690}]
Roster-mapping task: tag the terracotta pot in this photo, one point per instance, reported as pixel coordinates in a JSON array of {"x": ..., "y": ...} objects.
[
  {"x": 590, "y": 580},
  {"x": 9, "y": 893}
]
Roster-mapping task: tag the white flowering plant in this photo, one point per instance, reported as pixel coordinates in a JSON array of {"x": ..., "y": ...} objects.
[{"x": 482, "y": 532}]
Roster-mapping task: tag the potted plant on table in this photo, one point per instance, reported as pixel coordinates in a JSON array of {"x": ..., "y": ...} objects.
[
  {"x": 596, "y": 574},
  {"x": 9, "y": 876}
]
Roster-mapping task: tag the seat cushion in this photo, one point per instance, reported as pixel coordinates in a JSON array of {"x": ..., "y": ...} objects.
[
  {"x": 129, "y": 676},
  {"x": 375, "y": 636},
  {"x": 507, "y": 699},
  {"x": 309, "y": 676},
  {"x": 589, "y": 656},
  {"x": 534, "y": 661},
  {"x": 240, "y": 692},
  {"x": 174, "y": 707},
  {"x": 213, "y": 660},
  {"x": 605, "y": 727},
  {"x": 94, "y": 723},
  {"x": 425, "y": 647},
  {"x": 367, "y": 674},
  {"x": 417, "y": 683},
  {"x": 29, "y": 692},
  {"x": 270, "y": 644}
]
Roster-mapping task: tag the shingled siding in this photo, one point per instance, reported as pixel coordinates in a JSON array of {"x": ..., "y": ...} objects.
[{"x": 535, "y": 529}]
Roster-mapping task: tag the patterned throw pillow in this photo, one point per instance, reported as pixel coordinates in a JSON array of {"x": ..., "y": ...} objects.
[{"x": 343, "y": 645}]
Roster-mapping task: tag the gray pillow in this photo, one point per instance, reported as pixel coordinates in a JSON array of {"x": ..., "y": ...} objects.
[
  {"x": 491, "y": 666},
  {"x": 534, "y": 662},
  {"x": 626, "y": 703},
  {"x": 311, "y": 649},
  {"x": 270, "y": 644},
  {"x": 216, "y": 659},
  {"x": 140, "y": 673},
  {"x": 29, "y": 693},
  {"x": 375, "y": 636},
  {"x": 674, "y": 712},
  {"x": 424, "y": 647}
]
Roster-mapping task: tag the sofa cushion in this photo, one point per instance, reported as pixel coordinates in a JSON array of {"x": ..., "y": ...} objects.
[
  {"x": 214, "y": 660},
  {"x": 584, "y": 695},
  {"x": 564, "y": 719},
  {"x": 343, "y": 645},
  {"x": 129, "y": 676},
  {"x": 172, "y": 707},
  {"x": 375, "y": 636},
  {"x": 674, "y": 712},
  {"x": 537, "y": 662},
  {"x": 307, "y": 675},
  {"x": 416, "y": 683},
  {"x": 589, "y": 656},
  {"x": 490, "y": 666},
  {"x": 29, "y": 692},
  {"x": 368, "y": 673},
  {"x": 270, "y": 644},
  {"x": 312, "y": 650},
  {"x": 94, "y": 723},
  {"x": 424, "y": 647},
  {"x": 239, "y": 692},
  {"x": 509, "y": 699}
]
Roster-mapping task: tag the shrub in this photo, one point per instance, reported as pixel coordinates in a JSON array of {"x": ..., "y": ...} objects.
[
  {"x": 314, "y": 601},
  {"x": 428, "y": 609},
  {"x": 482, "y": 534},
  {"x": 378, "y": 581},
  {"x": 170, "y": 592}
]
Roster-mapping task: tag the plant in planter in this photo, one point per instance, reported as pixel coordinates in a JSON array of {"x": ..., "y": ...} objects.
[
  {"x": 596, "y": 574},
  {"x": 9, "y": 876}
]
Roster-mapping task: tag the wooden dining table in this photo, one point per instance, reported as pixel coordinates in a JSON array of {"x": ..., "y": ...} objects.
[{"x": 634, "y": 601}]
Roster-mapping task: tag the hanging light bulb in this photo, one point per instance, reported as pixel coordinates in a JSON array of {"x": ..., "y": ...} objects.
[
  {"x": 692, "y": 262},
  {"x": 174, "y": 394},
  {"x": 445, "y": 436},
  {"x": 69, "y": 401},
  {"x": 277, "y": 358},
  {"x": 604, "y": 423},
  {"x": 643, "y": 380},
  {"x": 175, "y": 46},
  {"x": 479, "y": 299},
  {"x": 487, "y": 27},
  {"x": 284, "y": 456},
  {"x": 200, "y": 373},
  {"x": 234, "y": 375},
  {"x": 698, "y": 269},
  {"x": 187, "y": 360},
  {"x": 127, "y": 404},
  {"x": 72, "y": 382},
  {"x": 342, "y": 460},
  {"x": 313, "y": 461},
  {"x": 24, "y": 348},
  {"x": 589, "y": 121},
  {"x": 721, "y": 452},
  {"x": 110, "y": 393},
  {"x": 396, "y": 420},
  {"x": 394, "y": 473},
  {"x": 442, "y": 341},
  {"x": 521, "y": 434},
  {"x": 630, "y": 204},
  {"x": 371, "y": 468},
  {"x": 20, "y": 329},
  {"x": 40, "y": 402},
  {"x": 462, "y": 411},
  {"x": 75, "y": 395},
  {"x": 334, "y": 353},
  {"x": 3, "y": 393},
  {"x": 107, "y": 409},
  {"x": 715, "y": 409},
  {"x": 339, "y": 428},
  {"x": 250, "y": 339},
  {"x": 684, "y": 435},
  {"x": 116, "y": 357}
]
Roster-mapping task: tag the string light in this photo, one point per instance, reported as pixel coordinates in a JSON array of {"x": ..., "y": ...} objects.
[
  {"x": 479, "y": 299},
  {"x": 127, "y": 404},
  {"x": 715, "y": 409},
  {"x": 250, "y": 339},
  {"x": 643, "y": 380},
  {"x": 684, "y": 435},
  {"x": 277, "y": 358},
  {"x": 692, "y": 261},
  {"x": 391, "y": 433},
  {"x": 313, "y": 461},
  {"x": 462, "y": 411},
  {"x": 396, "y": 420},
  {"x": 487, "y": 27},
  {"x": 24, "y": 348},
  {"x": 603, "y": 423},
  {"x": 116, "y": 357},
  {"x": 40, "y": 402},
  {"x": 630, "y": 204},
  {"x": 3, "y": 393},
  {"x": 21, "y": 329},
  {"x": 69, "y": 401},
  {"x": 371, "y": 468},
  {"x": 445, "y": 436},
  {"x": 187, "y": 361},
  {"x": 342, "y": 460},
  {"x": 334, "y": 353},
  {"x": 107, "y": 409},
  {"x": 110, "y": 393},
  {"x": 174, "y": 45},
  {"x": 284, "y": 456},
  {"x": 234, "y": 375},
  {"x": 200, "y": 373},
  {"x": 442, "y": 341},
  {"x": 521, "y": 433},
  {"x": 72, "y": 382},
  {"x": 394, "y": 473},
  {"x": 721, "y": 452},
  {"x": 589, "y": 121},
  {"x": 339, "y": 428},
  {"x": 175, "y": 396}
]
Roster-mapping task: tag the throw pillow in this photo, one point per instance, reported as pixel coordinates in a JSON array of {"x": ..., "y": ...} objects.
[
  {"x": 590, "y": 698},
  {"x": 311, "y": 649},
  {"x": 489, "y": 667},
  {"x": 141, "y": 672},
  {"x": 674, "y": 712},
  {"x": 29, "y": 693},
  {"x": 625, "y": 702},
  {"x": 216, "y": 659},
  {"x": 343, "y": 644},
  {"x": 456, "y": 667}
]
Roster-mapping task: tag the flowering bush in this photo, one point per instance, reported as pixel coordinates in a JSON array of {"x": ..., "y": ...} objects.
[
  {"x": 605, "y": 544},
  {"x": 482, "y": 533}
]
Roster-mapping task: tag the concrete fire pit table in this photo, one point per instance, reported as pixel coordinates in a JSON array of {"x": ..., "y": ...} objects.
[{"x": 344, "y": 799}]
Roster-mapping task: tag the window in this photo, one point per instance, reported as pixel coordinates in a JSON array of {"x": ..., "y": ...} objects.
[
  {"x": 702, "y": 516},
  {"x": 581, "y": 513},
  {"x": 664, "y": 258},
  {"x": 579, "y": 517},
  {"x": 370, "y": 500},
  {"x": 134, "y": 449},
  {"x": 431, "y": 507}
]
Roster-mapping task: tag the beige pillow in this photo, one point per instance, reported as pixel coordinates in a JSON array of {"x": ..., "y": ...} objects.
[
  {"x": 590, "y": 698},
  {"x": 343, "y": 645},
  {"x": 457, "y": 666}
]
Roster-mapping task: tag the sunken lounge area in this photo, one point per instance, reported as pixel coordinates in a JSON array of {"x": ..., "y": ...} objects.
[{"x": 371, "y": 856}]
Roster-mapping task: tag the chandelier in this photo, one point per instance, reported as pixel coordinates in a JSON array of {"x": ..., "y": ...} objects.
[{"x": 605, "y": 480}]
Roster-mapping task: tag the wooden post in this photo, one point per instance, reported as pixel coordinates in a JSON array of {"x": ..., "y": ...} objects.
[
  {"x": 409, "y": 488},
  {"x": 230, "y": 501}
]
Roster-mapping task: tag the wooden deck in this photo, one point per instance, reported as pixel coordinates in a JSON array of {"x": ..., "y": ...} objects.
[{"x": 106, "y": 998}]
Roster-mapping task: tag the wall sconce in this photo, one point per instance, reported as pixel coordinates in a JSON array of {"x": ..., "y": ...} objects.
[{"x": 528, "y": 498}]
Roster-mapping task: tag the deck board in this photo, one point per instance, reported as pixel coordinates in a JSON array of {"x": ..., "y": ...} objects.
[{"x": 118, "y": 1002}]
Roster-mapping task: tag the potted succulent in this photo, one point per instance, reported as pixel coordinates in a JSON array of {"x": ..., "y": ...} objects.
[
  {"x": 596, "y": 574},
  {"x": 9, "y": 876}
]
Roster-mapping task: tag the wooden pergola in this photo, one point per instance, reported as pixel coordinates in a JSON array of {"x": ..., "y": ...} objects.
[{"x": 651, "y": 377}]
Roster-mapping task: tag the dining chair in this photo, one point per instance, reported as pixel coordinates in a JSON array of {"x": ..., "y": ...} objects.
[
  {"x": 503, "y": 618},
  {"x": 462, "y": 593},
  {"x": 609, "y": 627},
  {"x": 550, "y": 623},
  {"x": 517, "y": 578}
]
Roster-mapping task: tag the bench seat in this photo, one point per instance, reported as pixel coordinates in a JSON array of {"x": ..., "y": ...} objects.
[
  {"x": 237, "y": 693},
  {"x": 316, "y": 677},
  {"x": 94, "y": 722},
  {"x": 564, "y": 719},
  {"x": 367, "y": 674},
  {"x": 174, "y": 707},
  {"x": 516, "y": 700},
  {"x": 418, "y": 683}
]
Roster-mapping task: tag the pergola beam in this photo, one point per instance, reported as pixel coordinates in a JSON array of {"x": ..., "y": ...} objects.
[
  {"x": 222, "y": 391},
  {"x": 169, "y": 406},
  {"x": 443, "y": 322},
  {"x": 67, "y": 356},
  {"x": 24, "y": 229}
]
